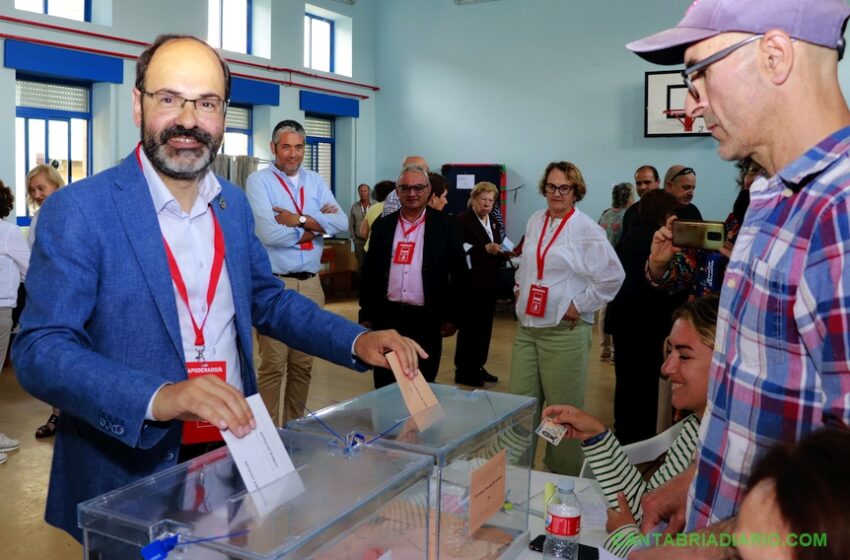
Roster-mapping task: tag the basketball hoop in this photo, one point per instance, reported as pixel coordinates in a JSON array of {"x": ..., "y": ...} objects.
[{"x": 682, "y": 117}]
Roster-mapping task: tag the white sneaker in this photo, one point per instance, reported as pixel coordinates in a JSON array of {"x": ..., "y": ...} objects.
[
  {"x": 2, "y": 458},
  {"x": 8, "y": 444}
]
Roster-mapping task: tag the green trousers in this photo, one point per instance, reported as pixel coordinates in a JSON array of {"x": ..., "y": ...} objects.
[{"x": 550, "y": 364}]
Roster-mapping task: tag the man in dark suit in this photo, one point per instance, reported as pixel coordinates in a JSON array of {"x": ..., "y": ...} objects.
[
  {"x": 164, "y": 283},
  {"x": 482, "y": 238},
  {"x": 415, "y": 275}
]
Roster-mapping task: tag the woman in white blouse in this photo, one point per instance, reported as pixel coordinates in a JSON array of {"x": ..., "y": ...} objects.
[
  {"x": 42, "y": 181},
  {"x": 14, "y": 261},
  {"x": 567, "y": 271}
]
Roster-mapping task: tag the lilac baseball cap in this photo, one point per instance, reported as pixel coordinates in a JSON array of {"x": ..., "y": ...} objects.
[{"x": 815, "y": 21}]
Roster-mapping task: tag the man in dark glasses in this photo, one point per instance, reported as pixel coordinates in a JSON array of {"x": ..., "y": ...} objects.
[{"x": 764, "y": 76}]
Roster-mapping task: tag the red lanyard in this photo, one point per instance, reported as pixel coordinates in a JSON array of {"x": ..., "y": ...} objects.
[
  {"x": 416, "y": 224},
  {"x": 215, "y": 274},
  {"x": 299, "y": 209},
  {"x": 541, "y": 257}
]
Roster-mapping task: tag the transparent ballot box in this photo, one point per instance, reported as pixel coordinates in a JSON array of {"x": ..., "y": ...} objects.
[
  {"x": 481, "y": 445},
  {"x": 355, "y": 503}
]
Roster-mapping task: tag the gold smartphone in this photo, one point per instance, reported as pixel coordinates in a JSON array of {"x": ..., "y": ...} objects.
[{"x": 699, "y": 235}]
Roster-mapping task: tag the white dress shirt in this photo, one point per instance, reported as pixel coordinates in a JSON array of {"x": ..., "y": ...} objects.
[
  {"x": 190, "y": 237},
  {"x": 581, "y": 268}
]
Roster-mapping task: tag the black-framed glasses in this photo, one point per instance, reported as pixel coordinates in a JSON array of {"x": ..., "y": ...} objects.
[
  {"x": 682, "y": 172},
  {"x": 563, "y": 190},
  {"x": 171, "y": 103},
  {"x": 408, "y": 188},
  {"x": 711, "y": 59}
]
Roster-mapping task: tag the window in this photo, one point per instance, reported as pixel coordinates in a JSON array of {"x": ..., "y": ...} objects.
[
  {"x": 79, "y": 10},
  {"x": 319, "y": 151},
  {"x": 318, "y": 43},
  {"x": 52, "y": 124},
  {"x": 237, "y": 132},
  {"x": 230, "y": 25}
]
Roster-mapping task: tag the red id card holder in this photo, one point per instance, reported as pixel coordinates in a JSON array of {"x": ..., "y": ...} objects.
[
  {"x": 404, "y": 252},
  {"x": 306, "y": 246},
  {"x": 201, "y": 431},
  {"x": 537, "y": 296}
]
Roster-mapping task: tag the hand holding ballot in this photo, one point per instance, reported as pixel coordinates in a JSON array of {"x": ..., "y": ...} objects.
[
  {"x": 206, "y": 397},
  {"x": 371, "y": 347}
]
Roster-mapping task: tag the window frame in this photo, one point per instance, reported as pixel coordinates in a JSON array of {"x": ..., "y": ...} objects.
[
  {"x": 47, "y": 115},
  {"x": 249, "y": 31},
  {"x": 249, "y": 132},
  {"x": 312, "y": 144},
  {"x": 332, "y": 61},
  {"x": 45, "y": 11}
]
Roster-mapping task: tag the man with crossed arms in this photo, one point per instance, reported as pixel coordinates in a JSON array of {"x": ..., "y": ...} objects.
[{"x": 293, "y": 207}]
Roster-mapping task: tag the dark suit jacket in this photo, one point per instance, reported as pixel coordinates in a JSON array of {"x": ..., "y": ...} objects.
[
  {"x": 485, "y": 267},
  {"x": 445, "y": 277},
  {"x": 100, "y": 333}
]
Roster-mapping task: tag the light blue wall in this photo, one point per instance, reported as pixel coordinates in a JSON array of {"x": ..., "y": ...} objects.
[{"x": 525, "y": 82}]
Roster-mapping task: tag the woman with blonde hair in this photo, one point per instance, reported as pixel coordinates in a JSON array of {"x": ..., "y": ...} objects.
[
  {"x": 686, "y": 365},
  {"x": 42, "y": 181},
  {"x": 482, "y": 238}
]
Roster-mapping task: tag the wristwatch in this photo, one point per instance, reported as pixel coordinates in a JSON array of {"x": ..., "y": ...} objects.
[{"x": 302, "y": 220}]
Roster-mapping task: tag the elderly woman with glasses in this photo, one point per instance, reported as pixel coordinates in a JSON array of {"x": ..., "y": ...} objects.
[
  {"x": 482, "y": 239},
  {"x": 567, "y": 271}
]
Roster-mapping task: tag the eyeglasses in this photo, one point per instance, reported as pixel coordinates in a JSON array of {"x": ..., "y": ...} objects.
[
  {"x": 407, "y": 188},
  {"x": 563, "y": 190},
  {"x": 682, "y": 172},
  {"x": 170, "y": 103},
  {"x": 709, "y": 60}
]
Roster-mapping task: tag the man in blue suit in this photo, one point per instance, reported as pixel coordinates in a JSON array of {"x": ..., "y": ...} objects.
[{"x": 149, "y": 273}]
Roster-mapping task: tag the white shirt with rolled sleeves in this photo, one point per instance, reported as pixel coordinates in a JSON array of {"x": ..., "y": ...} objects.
[
  {"x": 581, "y": 267},
  {"x": 265, "y": 192}
]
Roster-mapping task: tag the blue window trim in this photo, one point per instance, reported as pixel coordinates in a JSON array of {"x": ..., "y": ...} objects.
[
  {"x": 333, "y": 35},
  {"x": 86, "y": 10},
  {"x": 313, "y": 144},
  {"x": 249, "y": 131},
  {"x": 55, "y": 114},
  {"x": 250, "y": 30}
]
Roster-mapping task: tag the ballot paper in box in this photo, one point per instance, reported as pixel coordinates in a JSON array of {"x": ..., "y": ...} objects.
[
  {"x": 480, "y": 443},
  {"x": 338, "y": 503}
]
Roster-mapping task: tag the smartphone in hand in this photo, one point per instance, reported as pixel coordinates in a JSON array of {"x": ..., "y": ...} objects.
[{"x": 699, "y": 235}]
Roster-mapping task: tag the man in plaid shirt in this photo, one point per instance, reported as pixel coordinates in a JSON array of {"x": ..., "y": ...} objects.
[{"x": 763, "y": 75}]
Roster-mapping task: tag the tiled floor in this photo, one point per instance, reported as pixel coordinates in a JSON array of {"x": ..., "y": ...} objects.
[{"x": 23, "y": 478}]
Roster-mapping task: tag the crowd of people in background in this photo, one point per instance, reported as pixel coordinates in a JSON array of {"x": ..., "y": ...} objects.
[{"x": 746, "y": 344}]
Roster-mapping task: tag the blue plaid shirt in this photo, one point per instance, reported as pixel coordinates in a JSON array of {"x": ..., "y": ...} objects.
[{"x": 781, "y": 367}]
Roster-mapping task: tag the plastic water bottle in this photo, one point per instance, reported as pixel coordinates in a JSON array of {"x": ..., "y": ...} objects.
[{"x": 563, "y": 523}]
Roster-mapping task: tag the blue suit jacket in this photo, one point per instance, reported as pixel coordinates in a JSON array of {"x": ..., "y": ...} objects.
[{"x": 100, "y": 331}]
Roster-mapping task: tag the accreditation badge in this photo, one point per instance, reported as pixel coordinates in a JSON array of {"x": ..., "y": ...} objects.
[
  {"x": 306, "y": 246},
  {"x": 404, "y": 252},
  {"x": 537, "y": 296},
  {"x": 201, "y": 431}
]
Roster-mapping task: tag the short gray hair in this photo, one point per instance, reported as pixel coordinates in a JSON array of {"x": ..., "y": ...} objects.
[
  {"x": 288, "y": 126},
  {"x": 414, "y": 169}
]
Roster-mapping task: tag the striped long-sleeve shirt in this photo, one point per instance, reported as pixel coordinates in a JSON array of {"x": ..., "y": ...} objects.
[{"x": 615, "y": 474}]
